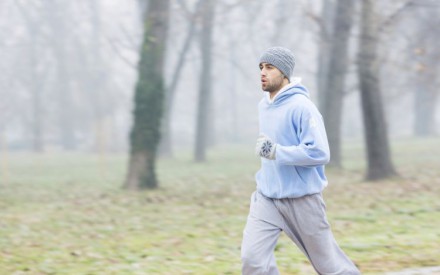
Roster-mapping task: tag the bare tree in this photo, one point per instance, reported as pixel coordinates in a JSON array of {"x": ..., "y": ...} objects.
[
  {"x": 378, "y": 149},
  {"x": 57, "y": 14},
  {"x": 325, "y": 23},
  {"x": 165, "y": 147},
  {"x": 204, "y": 101},
  {"x": 32, "y": 17},
  {"x": 427, "y": 57},
  {"x": 94, "y": 77},
  {"x": 148, "y": 100},
  {"x": 333, "y": 85},
  {"x": 283, "y": 13}
]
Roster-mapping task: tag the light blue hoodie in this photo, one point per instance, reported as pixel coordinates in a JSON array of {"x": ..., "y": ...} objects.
[{"x": 294, "y": 123}]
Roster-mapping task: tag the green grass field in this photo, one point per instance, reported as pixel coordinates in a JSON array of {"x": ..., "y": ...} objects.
[{"x": 66, "y": 214}]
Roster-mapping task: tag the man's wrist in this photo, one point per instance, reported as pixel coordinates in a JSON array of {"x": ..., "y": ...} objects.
[{"x": 273, "y": 152}]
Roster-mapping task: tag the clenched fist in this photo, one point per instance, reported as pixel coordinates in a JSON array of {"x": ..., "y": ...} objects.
[{"x": 265, "y": 147}]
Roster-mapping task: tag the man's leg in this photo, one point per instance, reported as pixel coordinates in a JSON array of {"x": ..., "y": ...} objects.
[
  {"x": 308, "y": 227},
  {"x": 260, "y": 237}
]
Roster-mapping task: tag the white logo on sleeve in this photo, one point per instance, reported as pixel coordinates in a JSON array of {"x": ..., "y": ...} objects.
[{"x": 312, "y": 123}]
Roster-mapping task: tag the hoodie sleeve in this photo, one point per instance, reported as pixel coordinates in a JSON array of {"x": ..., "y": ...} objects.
[{"x": 313, "y": 149}]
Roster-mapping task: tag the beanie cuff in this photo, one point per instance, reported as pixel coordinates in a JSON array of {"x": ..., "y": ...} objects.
[{"x": 275, "y": 62}]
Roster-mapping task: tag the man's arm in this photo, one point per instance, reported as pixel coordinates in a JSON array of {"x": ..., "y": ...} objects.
[{"x": 312, "y": 150}]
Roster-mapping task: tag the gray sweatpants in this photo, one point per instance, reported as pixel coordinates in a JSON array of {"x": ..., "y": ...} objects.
[{"x": 304, "y": 221}]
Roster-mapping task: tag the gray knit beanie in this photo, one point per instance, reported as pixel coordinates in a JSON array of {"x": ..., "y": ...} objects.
[{"x": 281, "y": 58}]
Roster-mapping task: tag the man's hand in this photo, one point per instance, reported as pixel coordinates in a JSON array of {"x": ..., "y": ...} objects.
[{"x": 265, "y": 147}]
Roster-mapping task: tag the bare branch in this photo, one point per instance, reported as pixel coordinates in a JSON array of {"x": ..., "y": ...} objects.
[
  {"x": 391, "y": 19},
  {"x": 118, "y": 53}
]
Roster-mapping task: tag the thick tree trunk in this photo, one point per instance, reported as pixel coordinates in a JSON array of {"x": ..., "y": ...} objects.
[
  {"x": 148, "y": 100},
  {"x": 166, "y": 145},
  {"x": 204, "y": 111},
  {"x": 141, "y": 172},
  {"x": 334, "y": 84},
  {"x": 378, "y": 150}
]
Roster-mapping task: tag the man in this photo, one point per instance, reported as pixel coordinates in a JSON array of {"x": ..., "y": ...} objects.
[{"x": 293, "y": 148}]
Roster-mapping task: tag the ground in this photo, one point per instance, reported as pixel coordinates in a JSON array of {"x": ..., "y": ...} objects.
[{"x": 67, "y": 214}]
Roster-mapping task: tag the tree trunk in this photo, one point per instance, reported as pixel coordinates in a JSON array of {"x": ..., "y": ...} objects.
[
  {"x": 326, "y": 30},
  {"x": 378, "y": 150},
  {"x": 427, "y": 58},
  {"x": 233, "y": 90},
  {"x": 425, "y": 98},
  {"x": 94, "y": 81},
  {"x": 204, "y": 111},
  {"x": 334, "y": 84},
  {"x": 4, "y": 167},
  {"x": 148, "y": 100},
  {"x": 37, "y": 91},
  {"x": 165, "y": 147},
  {"x": 282, "y": 11},
  {"x": 35, "y": 80},
  {"x": 57, "y": 14}
]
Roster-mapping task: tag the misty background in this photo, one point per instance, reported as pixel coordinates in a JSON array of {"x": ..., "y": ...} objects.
[
  {"x": 69, "y": 69},
  {"x": 86, "y": 86}
]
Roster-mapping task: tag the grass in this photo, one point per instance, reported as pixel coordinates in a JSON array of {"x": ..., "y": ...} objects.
[{"x": 66, "y": 214}]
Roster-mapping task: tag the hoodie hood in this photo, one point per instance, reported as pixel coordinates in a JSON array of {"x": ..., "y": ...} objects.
[{"x": 295, "y": 87}]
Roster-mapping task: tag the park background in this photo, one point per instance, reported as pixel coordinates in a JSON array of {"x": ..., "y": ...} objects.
[{"x": 88, "y": 186}]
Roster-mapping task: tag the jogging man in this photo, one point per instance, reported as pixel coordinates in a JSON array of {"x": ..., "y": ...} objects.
[{"x": 293, "y": 148}]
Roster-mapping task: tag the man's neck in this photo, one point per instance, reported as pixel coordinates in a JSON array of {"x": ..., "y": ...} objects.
[{"x": 274, "y": 93}]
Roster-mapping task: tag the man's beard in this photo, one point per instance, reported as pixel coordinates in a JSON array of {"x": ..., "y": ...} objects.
[{"x": 273, "y": 86}]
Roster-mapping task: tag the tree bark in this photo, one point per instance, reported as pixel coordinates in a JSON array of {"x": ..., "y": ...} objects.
[
  {"x": 204, "y": 112},
  {"x": 378, "y": 150},
  {"x": 148, "y": 100},
  {"x": 334, "y": 83}
]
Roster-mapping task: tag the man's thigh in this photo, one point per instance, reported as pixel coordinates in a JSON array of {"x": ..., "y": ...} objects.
[
  {"x": 263, "y": 227},
  {"x": 259, "y": 239}
]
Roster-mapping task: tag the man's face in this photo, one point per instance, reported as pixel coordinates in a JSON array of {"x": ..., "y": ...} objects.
[{"x": 271, "y": 78}]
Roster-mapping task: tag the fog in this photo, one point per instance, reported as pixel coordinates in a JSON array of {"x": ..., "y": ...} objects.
[
  {"x": 94, "y": 92},
  {"x": 69, "y": 69}
]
